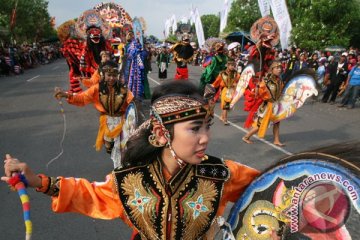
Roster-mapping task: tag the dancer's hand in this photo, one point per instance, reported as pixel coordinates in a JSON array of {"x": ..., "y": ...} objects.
[
  {"x": 59, "y": 93},
  {"x": 13, "y": 165}
]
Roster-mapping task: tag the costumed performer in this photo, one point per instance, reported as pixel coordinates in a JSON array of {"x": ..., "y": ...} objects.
[
  {"x": 218, "y": 64},
  {"x": 183, "y": 52},
  {"x": 265, "y": 33},
  {"x": 269, "y": 90},
  {"x": 134, "y": 66},
  {"x": 227, "y": 81},
  {"x": 162, "y": 62},
  {"x": 111, "y": 98},
  {"x": 146, "y": 58},
  {"x": 92, "y": 27},
  {"x": 96, "y": 78},
  {"x": 170, "y": 189}
]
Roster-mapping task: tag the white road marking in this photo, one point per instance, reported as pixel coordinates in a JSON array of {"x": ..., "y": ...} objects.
[
  {"x": 153, "y": 80},
  {"x": 56, "y": 67},
  {"x": 32, "y": 78},
  {"x": 260, "y": 139},
  {"x": 244, "y": 130}
]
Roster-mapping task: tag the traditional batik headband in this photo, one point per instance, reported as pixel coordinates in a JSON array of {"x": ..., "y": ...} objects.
[
  {"x": 110, "y": 69},
  {"x": 275, "y": 64},
  {"x": 177, "y": 108}
]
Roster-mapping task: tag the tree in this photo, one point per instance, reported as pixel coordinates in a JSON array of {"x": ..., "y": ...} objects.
[
  {"x": 211, "y": 25},
  {"x": 315, "y": 24},
  {"x": 321, "y": 23},
  {"x": 32, "y": 21},
  {"x": 243, "y": 13}
]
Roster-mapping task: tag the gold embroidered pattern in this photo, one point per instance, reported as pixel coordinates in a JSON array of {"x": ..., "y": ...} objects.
[
  {"x": 207, "y": 193},
  {"x": 182, "y": 208},
  {"x": 141, "y": 203}
]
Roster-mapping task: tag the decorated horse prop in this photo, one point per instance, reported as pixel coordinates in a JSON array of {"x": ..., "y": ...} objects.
[{"x": 301, "y": 86}]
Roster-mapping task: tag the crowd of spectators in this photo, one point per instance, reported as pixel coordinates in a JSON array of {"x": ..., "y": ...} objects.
[
  {"x": 336, "y": 72},
  {"x": 15, "y": 59}
]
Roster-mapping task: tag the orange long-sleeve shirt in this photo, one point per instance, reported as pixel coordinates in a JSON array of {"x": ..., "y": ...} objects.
[
  {"x": 91, "y": 95},
  {"x": 95, "y": 79},
  {"x": 219, "y": 83},
  {"x": 100, "y": 199}
]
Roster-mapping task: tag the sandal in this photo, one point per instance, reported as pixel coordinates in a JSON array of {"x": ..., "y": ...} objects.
[
  {"x": 247, "y": 140},
  {"x": 226, "y": 122}
]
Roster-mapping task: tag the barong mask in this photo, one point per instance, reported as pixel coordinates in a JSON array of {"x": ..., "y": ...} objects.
[
  {"x": 266, "y": 31},
  {"x": 91, "y": 25},
  {"x": 94, "y": 34}
]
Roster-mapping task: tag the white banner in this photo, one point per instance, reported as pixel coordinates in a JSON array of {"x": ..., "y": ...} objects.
[
  {"x": 173, "y": 23},
  {"x": 282, "y": 18},
  {"x": 199, "y": 28},
  {"x": 224, "y": 14},
  {"x": 167, "y": 28},
  {"x": 264, "y": 6},
  {"x": 192, "y": 16}
]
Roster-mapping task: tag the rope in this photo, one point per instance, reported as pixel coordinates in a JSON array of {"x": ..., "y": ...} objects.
[{"x": 63, "y": 136}]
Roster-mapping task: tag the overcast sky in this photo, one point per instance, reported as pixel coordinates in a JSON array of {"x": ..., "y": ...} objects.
[{"x": 155, "y": 12}]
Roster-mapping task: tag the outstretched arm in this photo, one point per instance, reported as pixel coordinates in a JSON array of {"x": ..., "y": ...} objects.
[{"x": 96, "y": 199}]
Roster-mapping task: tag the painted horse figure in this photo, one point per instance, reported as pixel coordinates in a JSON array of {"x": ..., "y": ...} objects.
[{"x": 300, "y": 87}]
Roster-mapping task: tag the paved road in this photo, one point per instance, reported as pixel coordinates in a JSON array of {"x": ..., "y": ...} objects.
[{"x": 32, "y": 128}]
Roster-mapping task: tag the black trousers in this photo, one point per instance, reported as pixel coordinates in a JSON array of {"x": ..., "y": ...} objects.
[{"x": 332, "y": 89}]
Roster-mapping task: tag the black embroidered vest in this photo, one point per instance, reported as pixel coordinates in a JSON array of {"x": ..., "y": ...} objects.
[
  {"x": 274, "y": 86},
  {"x": 112, "y": 100},
  {"x": 183, "y": 208}
]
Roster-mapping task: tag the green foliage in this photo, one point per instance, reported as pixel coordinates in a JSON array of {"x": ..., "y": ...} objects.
[
  {"x": 32, "y": 19},
  {"x": 242, "y": 15},
  {"x": 211, "y": 25},
  {"x": 172, "y": 38},
  {"x": 322, "y": 23},
  {"x": 316, "y": 24}
]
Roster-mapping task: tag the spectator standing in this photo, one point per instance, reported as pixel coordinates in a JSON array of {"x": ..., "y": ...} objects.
[
  {"x": 337, "y": 75},
  {"x": 321, "y": 72},
  {"x": 300, "y": 64},
  {"x": 352, "y": 87},
  {"x": 313, "y": 62}
]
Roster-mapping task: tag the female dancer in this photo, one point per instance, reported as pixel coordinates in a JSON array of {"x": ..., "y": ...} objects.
[{"x": 168, "y": 188}]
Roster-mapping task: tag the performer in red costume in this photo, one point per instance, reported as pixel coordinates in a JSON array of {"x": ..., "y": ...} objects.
[
  {"x": 96, "y": 30},
  {"x": 268, "y": 91},
  {"x": 265, "y": 33},
  {"x": 83, "y": 55}
]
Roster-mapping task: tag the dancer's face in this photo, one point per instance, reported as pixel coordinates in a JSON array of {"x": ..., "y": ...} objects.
[
  {"x": 191, "y": 139},
  {"x": 231, "y": 66},
  {"x": 105, "y": 58},
  {"x": 277, "y": 70},
  {"x": 110, "y": 78}
]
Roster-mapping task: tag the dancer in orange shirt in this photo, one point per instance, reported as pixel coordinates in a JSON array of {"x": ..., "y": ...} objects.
[
  {"x": 111, "y": 98},
  {"x": 170, "y": 189},
  {"x": 227, "y": 81}
]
